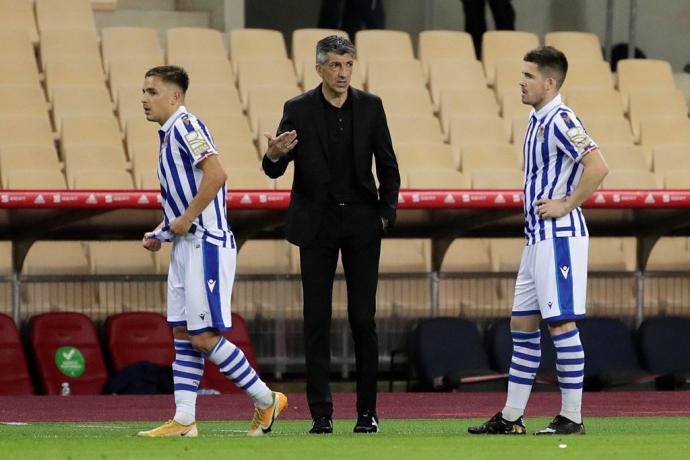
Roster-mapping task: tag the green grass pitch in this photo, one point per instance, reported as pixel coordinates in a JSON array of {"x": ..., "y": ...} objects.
[{"x": 608, "y": 437}]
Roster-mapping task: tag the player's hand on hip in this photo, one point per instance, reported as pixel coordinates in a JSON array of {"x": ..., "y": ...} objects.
[
  {"x": 151, "y": 243},
  {"x": 180, "y": 225},
  {"x": 281, "y": 145},
  {"x": 551, "y": 209}
]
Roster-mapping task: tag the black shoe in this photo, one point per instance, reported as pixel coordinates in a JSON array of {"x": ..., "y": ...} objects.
[
  {"x": 321, "y": 425},
  {"x": 367, "y": 422},
  {"x": 498, "y": 425},
  {"x": 562, "y": 425}
]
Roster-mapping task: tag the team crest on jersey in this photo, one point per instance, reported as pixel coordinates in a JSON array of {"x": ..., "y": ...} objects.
[
  {"x": 566, "y": 118},
  {"x": 197, "y": 142}
]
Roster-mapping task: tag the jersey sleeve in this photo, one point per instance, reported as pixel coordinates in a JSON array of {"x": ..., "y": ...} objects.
[
  {"x": 196, "y": 138},
  {"x": 571, "y": 135}
]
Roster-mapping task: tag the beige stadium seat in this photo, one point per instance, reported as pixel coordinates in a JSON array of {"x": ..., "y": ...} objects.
[
  {"x": 677, "y": 179},
  {"x": 128, "y": 73},
  {"x": 194, "y": 42},
  {"x": 144, "y": 162},
  {"x": 34, "y": 179},
  {"x": 476, "y": 156},
  {"x": 238, "y": 155},
  {"x": 23, "y": 100},
  {"x": 28, "y": 158},
  {"x": 304, "y": 46},
  {"x": 17, "y": 18},
  {"x": 267, "y": 100},
  {"x": 72, "y": 101},
  {"x": 518, "y": 129},
  {"x": 125, "y": 42},
  {"x": 643, "y": 74},
  {"x": 497, "y": 179},
  {"x": 422, "y": 128},
  {"x": 248, "y": 179},
  {"x": 264, "y": 257},
  {"x": 260, "y": 72},
  {"x": 213, "y": 100},
  {"x": 73, "y": 72},
  {"x": 128, "y": 105},
  {"x": 507, "y": 78},
  {"x": 611, "y": 254},
  {"x": 207, "y": 71},
  {"x": 468, "y": 102},
  {"x": 25, "y": 130},
  {"x": 588, "y": 75},
  {"x": 139, "y": 131},
  {"x": 19, "y": 72},
  {"x": 506, "y": 254},
  {"x": 16, "y": 42},
  {"x": 411, "y": 297},
  {"x": 671, "y": 157},
  {"x": 423, "y": 178},
  {"x": 576, "y": 45},
  {"x": 311, "y": 79},
  {"x": 231, "y": 129},
  {"x": 425, "y": 155},
  {"x": 41, "y": 260},
  {"x": 630, "y": 179},
  {"x": 467, "y": 255},
  {"x": 388, "y": 44},
  {"x": 58, "y": 14},
  {"x": 91, "y": 130},
  {"x": 609, "y": 130},
  {"x": 256, "y": 43},
  {"x": 86, "y": 157},
  {"x": 611, "y": 296},
  {"x": 513, "y": 107},
  {"x": 443, "y": 44},
  {"x": 397, "y": 73},
  {"x": 284, "y": 182},
  {"x": 69, "y": 43},
  {"x": 588, "y": 103},
  {"x": 659, "y": 131},
  {"x": 101, "y": 179},
  {"x": 405, "y": 101},
  {"x": 504, "y": 44},
  {"x": 268, "y": 123},
  {"x": 670, "y": 254},
  {"x": 472, "y": 130},
  {"x": 624, "y": 156},
  {"x": 147, "y": 180},
  {"x": 645, "y": 105},
  {"x": 454, "y": 74}
]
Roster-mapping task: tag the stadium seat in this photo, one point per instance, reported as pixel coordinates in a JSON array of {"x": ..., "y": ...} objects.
[
  {"x": 443, "y": 44},
  {"x": 258, "y": 72},
  {"x": 411, "y": 299},
  {"x": 512, "y": 108},
  {"x": 506, "y": 254},
  {"x": 448, "y": 354},
  {"x": 18, "y": 44},
  {"x": 304, "y": 46},
  {"x": 388, "y": 44},
  {"x": 128, "y": 104},
  {"x": 576, "y": 45},
  {"x": 19, "y": 71},
  {"x": 435, "y": 179},
  {"x": 248, "y": 179},
  {"x": 92, "y": 130},
  {"x": 611, "y": 296},
  {"x": 454, "y": 74},
  {"x": 256, "y": 43},
  {"x": 643, "y": 74},
  {"x": 267, "y": 100},
  {"x": 405, "y": 101},
  {"x": 588, "y": 75},
  {"x": 73, "y": 72},
  {"x": 27, "y": 158},
  {"x": 57, "y": 14},
  {"x": 588, "y": 103},
  {"x": 268, "y": 123},
  {"x": 49, "y": 333},
  {"x": 630, "y": 179},
  {"x": 139, "y": 131},
  {"x": 418, "y": 128},
  {"x": 207, "y": 71},
  {"x": 395, "y": 73},
  {"x": 678, "y": 179},
  {"x": 101, "y": 179},
  {"x": 504, "y": 44},
  {"x": 71, "y": 101},
  {"x": 130, "y": 42},
  {"x": 87, "y": 157},
  {"x": 239, "y": 336},
  {"x": 139, "y": 336},
  {"x": 670, "y": 254},
  {"x": 609, "y": 130},
  {"x": 25, "y": 130},
  {"x": 659, "y": 131},
  {"x": 128, "y": 73},
  {"x": 69, "y": 43},
  {"x": 507, "y": 79},
  {"x": 663, "y": 344},
  {"x": 213, "y": 100},
  {"x": 465, "y": 130},
  {"x": 18, "y": 19},
  {"x": 15, "y": 379},
  {"x": 497, "y": 179},
  {"x": 662, "y": 104},
  {"x": 466, "y": 102},
  {"x": 671, "y": 157},
  {"x": 229, "y": 130},
  {"x": 34, "y": 179},
  {"x": 23, "y": 100},
  {"x": 194, "y": 42},
  {"x": 492, "y": 156},
  {"x": 425, "y": 155},
  {"x": 625, "y": 156}
]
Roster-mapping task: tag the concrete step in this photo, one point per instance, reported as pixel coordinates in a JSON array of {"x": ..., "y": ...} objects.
[{"x": 159, "y": 5}]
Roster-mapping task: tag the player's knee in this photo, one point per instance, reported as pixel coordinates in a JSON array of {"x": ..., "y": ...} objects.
[{"x": 203, "y": 343}]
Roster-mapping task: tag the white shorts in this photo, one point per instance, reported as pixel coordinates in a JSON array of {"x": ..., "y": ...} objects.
[
  {"x": 200, "y": 280},
  {"x": 552, "y": 281}
]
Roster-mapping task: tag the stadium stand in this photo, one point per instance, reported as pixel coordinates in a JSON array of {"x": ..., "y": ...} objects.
[
  {"x": 452, "y": 74},
  {"x": 576, "y": 46},
  {"x": 496, "y": 44},
  {"x": 130, "y": 42},
  {"x": 194, "y": 42},
  {"x": 428, "y": 178},
  {"x": 18, "y": 20},
  {"x": 56, "y": 14},
  {"x": 382, "y": 44},
  {"x": 395, "y": 73},
  {"x": 69, "y": 43},
  {"x": 643, "y": 74},
  {"x": 262, "y": 44},
  {"x": 463, "y": 102},
  {"x": 443, "y": 44},
  {"x": 15, "y": 379}
]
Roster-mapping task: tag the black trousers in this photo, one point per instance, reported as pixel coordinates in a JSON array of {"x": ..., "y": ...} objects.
[
  {"x": 355, "y": 231},
  {"x": 351, "y": 15},
  {"x": 475, "y": 19}
]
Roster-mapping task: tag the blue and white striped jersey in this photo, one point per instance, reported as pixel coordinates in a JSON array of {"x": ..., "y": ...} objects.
[
  {"x": 185, "y": 142},
  {"x": 555, "y": 142}
]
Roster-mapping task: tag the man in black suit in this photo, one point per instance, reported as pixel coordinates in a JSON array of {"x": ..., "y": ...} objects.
[{"x": 331, "y": 133}]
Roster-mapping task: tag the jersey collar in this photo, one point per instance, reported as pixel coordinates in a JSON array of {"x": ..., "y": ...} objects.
[
  {"x": 171, "y": 121},
  {"x": 553, "y": 103}
]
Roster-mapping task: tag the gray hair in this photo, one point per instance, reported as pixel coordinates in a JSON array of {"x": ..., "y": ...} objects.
[{"x": 333, "y": 44}]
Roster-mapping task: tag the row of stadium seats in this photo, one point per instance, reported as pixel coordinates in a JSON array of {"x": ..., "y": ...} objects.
[
  {"x": 616, "y": 358},
  {"x": 242, "y": 97},
  {"x": 129, "y": 338}
]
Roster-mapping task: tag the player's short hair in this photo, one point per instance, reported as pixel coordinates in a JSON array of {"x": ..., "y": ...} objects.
[
  {"x": 333, "y": 44},
  {"x": 171, "y": 74},
  {"x": 551, "y": 63}
]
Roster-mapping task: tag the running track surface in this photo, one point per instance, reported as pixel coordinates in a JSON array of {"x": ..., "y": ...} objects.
[{"x": 390, "y": 406}]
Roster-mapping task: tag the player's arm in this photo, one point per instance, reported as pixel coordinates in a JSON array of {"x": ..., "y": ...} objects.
[
  {"x": 595, "y": 169},
  {"x": 214, "y": 178}
]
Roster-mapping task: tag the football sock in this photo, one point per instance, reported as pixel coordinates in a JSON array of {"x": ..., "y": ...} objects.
[
  {"x": 570, "y": 365},
  {"x": 523, "y": 369},
  {"x": 187, "y": 371}
]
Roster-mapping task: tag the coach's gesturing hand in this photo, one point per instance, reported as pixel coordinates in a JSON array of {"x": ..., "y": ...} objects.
[{"x": 280, "y": 146}]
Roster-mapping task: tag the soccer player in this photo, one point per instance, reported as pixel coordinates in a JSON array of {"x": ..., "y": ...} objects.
[
  {"x": 563, "y": 166},
  {"x": 202, "y": 265}
]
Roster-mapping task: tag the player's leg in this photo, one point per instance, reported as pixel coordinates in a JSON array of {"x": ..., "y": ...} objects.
[
  {"x": 208, "y": 294},
  {"x": 565, "y": 286},
  {"x": 526, "y": 355}
]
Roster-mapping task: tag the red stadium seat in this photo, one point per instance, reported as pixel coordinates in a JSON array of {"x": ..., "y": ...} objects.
[
  {"x": 15, "y": 379},
  {"x": 139, "y": 336},
  {"x": 50, "y": 332},
  {"x": 238, "y": 335}
]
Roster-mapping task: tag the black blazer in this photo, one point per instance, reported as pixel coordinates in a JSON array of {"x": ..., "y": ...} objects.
[{"x": 306, "y": 115}]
